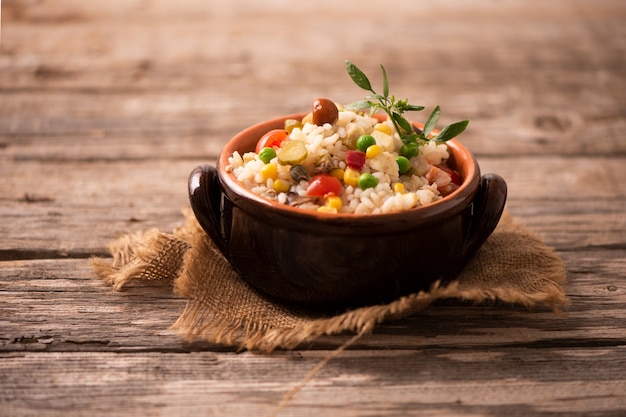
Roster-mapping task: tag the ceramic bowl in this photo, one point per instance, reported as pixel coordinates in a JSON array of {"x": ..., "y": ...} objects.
[{"x": 336, "y": 261}]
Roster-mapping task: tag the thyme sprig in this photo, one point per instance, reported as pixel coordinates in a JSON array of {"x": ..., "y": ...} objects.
[{"x": 395, "y": 109}]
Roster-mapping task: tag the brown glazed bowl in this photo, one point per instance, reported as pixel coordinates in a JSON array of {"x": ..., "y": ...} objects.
[{"x": 336, "y": 261}]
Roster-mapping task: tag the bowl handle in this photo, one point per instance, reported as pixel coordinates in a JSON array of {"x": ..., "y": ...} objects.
[
  {"x": 486, "y": 211},
  {"x": 205, "y": 197}
]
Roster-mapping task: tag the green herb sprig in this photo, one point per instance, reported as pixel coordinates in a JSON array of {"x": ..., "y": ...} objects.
[{"x": 396, "y": 108}]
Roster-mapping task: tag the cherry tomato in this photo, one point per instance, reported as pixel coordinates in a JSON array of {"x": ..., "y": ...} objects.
[
  {"x": 323, "y": 185},
  {"x": 453, "y": 174},
  {"x": 272, "y": 139}
]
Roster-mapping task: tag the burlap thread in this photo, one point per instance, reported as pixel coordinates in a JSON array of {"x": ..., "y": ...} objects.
[{"x": 513, "y": 266}]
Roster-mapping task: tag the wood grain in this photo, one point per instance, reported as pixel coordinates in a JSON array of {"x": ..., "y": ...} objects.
[{"x": 105, "y": 107}]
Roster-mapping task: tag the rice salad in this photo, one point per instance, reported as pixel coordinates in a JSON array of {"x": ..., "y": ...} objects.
[{"x": 337, "y": 160}]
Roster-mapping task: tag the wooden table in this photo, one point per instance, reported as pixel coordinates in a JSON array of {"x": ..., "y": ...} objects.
[{"x": 105, "y": 107}]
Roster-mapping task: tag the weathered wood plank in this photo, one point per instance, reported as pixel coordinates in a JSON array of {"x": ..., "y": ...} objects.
[
  {"x": 468, "y": 70},
  {"x": 183, "y": 124},
  {"x": 247, "y": 384}
]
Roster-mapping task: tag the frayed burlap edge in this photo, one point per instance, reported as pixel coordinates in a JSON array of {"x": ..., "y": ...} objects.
[{"x": 240, "y": 317}]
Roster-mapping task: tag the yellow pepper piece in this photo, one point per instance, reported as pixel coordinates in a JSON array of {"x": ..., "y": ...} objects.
[
  {"x": 337, "y": 173},
  {"x": 269, "y": 171},
  {"x": 334, "y": 202},
  {"x": 281, "y": 186},
  {"x": 351, "y": 177},
  {"x": 373, "y": 151},
  {"x": 399, "y": 188},
  {"x": 326, "y": 209},
  {"x": 381, "y": 127}
]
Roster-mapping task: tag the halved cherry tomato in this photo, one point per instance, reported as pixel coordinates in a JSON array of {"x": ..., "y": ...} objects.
[
  {"x": 323, "y": 185},
  {"x": 455, "y": 178},
  {"x": 272, "y": 139}
]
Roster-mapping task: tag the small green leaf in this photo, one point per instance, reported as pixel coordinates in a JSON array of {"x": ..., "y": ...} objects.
[
  {"x": 358, "y": 76},
  {"x": 431, "y": 122},
  {"x": 451, "y": 131},
  {"x": 411, "y": 107},
  {"x": 375, "y": 97},
  {"x": 358, "y": 105},
  {"x": 385, "y": 82},
  {"x": 409, "y": 137},
  {"x": 402, "y": 122}
]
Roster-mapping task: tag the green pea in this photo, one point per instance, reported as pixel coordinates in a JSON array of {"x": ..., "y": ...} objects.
[
  {"x": 367, "y": 181},
  {"x": 267, "y": 154},
  {"x": 364, "y": 142},
  {"x": 403, "y": 164},
  {"x": 410, "y": 150}
]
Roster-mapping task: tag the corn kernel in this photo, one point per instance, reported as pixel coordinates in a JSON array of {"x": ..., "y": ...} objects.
[
  {"x": 351, "y": 177},
  {"x": 281, "y": 186},
  {"x": 269, "y": 171},
  {"x": 381, "y": 127},
  {"x": 337, "y": 173},
  {"x": 398, "y": 188},
  {"x": 373, "y": 151},
  {"x": 334, "y": 202},
  {"x": 325, "y": 209}
]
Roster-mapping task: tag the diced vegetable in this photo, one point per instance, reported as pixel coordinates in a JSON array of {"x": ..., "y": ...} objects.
[
  {"x": 326, "y": 209},
  {"x": 373, "y": 151},
  {"x": 269, "y": 171},
  {"x": 281, "y": 186},
  {"x": 334, "y": 202},
  {"x": 337, "y": 173},
  {"x": 292, "y": 152},
  {"x": 384, "y": 140},
  {"x": 410, "y": 150},
  {"x": 353, "y": 133},
  {"x": 367, "y": 180},
  {"x": 355, "y": 159},
  {"x": 364, "y": 142},
  {"x": 399, "y": 188},
  {"x": 272, "y": 139},
  {"x": 322, "y": 185},
  {"x": 291, "y": 124},
  {"x": 454, "y": 176},
  {"x": 267, "y": 154},
  {"x": 351, "y": 177},
  {"x": 381, "y": 127},
  {"x": 403, "y": 164}
]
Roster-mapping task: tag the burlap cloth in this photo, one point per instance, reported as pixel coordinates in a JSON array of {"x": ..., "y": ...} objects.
[{"x": 513, "y": 266}]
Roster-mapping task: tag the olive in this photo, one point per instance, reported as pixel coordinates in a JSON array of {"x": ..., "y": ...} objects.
[
  {"x": 298, "y": 173},
  {"x": 324, "y": 111}
]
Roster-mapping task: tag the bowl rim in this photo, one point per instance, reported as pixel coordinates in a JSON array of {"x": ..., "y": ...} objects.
[{"x": 261, "y": 206}]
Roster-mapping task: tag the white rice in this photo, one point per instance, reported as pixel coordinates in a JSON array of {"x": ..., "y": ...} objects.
[{"x": 423, "y": 185}]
